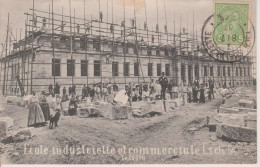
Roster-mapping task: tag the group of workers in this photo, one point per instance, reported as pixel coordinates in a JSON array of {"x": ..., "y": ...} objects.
[{"x": 161, "y": 89}]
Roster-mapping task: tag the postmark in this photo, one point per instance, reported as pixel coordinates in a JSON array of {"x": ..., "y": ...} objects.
[
  {"x": 228, "y": 35},
  {"x": 231, "y": 22}
]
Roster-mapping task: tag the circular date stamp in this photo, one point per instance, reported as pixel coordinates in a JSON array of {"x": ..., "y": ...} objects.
[{"x": 228, "y": 35}]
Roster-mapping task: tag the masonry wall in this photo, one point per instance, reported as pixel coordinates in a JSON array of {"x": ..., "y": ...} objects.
[{"x": 42, "y": 67}]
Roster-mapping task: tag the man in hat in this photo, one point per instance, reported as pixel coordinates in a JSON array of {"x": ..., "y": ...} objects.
[
  {"x": 211, "y": 87},
  {"x": 164, "y": 83}
]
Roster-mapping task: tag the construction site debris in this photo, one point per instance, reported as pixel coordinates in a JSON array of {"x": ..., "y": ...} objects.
[
  {"x": 246, "y": 103},
  {"x": 9, "y": 121},
  {"x": 119, "y": 111},
  {"x": 227, "y": 110},
  {"x": 18, "y": 137},
  {"x": 13, "y": 99},
  {"x": 105, "y": 110},
  {"x": 236, "y": 133},
  {"x": 121, "y": 97},
  {"x": 3, "y": 129}
]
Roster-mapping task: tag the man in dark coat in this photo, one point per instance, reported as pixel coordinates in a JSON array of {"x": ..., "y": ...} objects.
[
  {"x": 57, "y": 88},
  {"x": 170, "y": 86},
  {"x": 50, "y": 89},
  {"x": 211, "y": 87},
  {"x": 64, "y": 91},
  {"x": 73, "y": 89},
  {"x": 70, "y": 90},
  {"x": 196, "y": 87},
  {"x": 164, "y": 83}
]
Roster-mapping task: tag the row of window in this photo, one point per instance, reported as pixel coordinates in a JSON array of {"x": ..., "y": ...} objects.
[
  {"x": 239, "y": 71},
  {"x": 97, "y": 47},
  {"x": 226, "y": 71},
  {"x": 97, "y": 68}
]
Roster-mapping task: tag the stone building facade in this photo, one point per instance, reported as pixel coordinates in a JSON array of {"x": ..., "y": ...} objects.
[{"x": 87, "y": 63}]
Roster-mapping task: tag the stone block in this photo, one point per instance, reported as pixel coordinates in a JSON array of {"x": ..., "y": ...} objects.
[
  {"x": 244, "y": 103},
  {"x": 9, "y": 121},
  {"x": 251, "y": 120},
  {"x": 252, "y": 124},
  {"x": 82, "y": 112},
  {"x": 231, "y": 119},
  {"x": 252, "y": 116},
  {"x": 246, "y": 110},
  {"x": 93, "y": 111},
  {"x": 3, "y": 129},
  {"x": 172, "y": 104},
  {"x": 236, "y": 133},
  {"x": 13, "y": 99},
  {"x": 121, "y": 97},
  {"x": 119, "y": 112},
  {"x": 228, "y": 110},
  {"x": 158, "y": 107},
  {"x": 105, "y": 110}
]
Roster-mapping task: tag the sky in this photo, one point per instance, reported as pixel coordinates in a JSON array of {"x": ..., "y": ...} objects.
[{"x": 183, "y": 10}]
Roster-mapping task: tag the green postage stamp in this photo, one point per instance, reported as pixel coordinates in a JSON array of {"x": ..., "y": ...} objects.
[{"x": 231, "y": 23}]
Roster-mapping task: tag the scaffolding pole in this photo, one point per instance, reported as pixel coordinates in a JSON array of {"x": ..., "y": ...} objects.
[
  {"x": 52, "y": 39},
  {"x": 6, "y": 43}
]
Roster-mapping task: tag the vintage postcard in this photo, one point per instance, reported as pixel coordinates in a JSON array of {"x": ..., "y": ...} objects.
[{"x": 128, "y": 82}]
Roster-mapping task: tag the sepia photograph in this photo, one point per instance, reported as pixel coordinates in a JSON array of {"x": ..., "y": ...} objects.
[{"x": 128, "y": 82}]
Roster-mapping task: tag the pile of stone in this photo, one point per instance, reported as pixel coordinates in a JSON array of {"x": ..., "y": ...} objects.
[
  {"x": 153, "y": 108},
  {"x": 6, "y": 124},
  {"x": 13, "y": 99},
  {"x": 103, "y": 109},
  {"x": 20, "y": 136},
  {"x": 236, "y": 123}
]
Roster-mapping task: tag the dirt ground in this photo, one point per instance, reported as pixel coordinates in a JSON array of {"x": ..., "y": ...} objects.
[{"x": 182, "y": 130}]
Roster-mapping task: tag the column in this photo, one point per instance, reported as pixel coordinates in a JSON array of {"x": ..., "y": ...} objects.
[
  {"x": 186, "y": 73},
  {"x": 179, "y": 72}
]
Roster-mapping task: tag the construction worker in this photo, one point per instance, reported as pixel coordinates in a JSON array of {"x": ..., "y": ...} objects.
[
  {"x": 50, "y": 89},
  {"x": 64, "y": 91},
  {"x": 157, "y": 28},
  {"x": 101, "y": 16},
  {"x": 107, "y": 59},
  {"x": 195, "y": 90},
  {"x": 34, "y": 20},
  {"x": 111, "y": 28},
  {"x": 164, "y": 83},
  {"x": 184, "y": 93},
  {"x": 78, "y": 28},
  {"x": 43, "y": 23},
  {"x": 165, "y": 28},
  {"x": 62, "y": 26},
  {"x": 145, "y": 26},
  {"x": 122, "y": 23},
  {"x": 133, "y": 23},
  {"x": 170, "y": 88},
  {"x": 57, "y": 88},
  {"x": 211, "y": 87}
]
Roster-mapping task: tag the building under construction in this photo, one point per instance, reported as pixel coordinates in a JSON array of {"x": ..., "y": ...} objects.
[{"x": 71, "y": 50}]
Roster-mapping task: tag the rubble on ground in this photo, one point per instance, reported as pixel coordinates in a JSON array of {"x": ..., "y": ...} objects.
[
  {"x": 246, "y": 103},
  {"x": 236, "y": 120},
  {"x": 236, "y": 133},
  {"x": 3, "y": 129},
  {"x": 20, "y": 136},
  {"x": 13, "y": 99}
]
